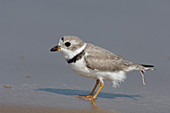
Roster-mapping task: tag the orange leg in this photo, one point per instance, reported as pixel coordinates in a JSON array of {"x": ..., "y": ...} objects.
[
  {"x": 94, "y": 97},
  {"x": 91, "y": 94},
  {"x": 97, "y": 83}
]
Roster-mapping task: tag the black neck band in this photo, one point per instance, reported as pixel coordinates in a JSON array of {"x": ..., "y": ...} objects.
[{"x": 77, "y": 57}]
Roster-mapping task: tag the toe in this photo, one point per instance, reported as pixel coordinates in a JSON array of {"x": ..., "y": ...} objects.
[{"x": 87, "y": 96}]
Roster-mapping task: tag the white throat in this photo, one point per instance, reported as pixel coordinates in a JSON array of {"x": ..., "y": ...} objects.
[{"x": 68, "y": 54}]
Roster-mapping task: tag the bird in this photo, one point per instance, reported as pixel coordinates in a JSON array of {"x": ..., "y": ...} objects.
[{"x": 97, "y": 63}]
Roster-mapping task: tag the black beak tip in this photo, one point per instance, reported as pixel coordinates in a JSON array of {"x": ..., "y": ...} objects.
[{"x": 53, "y": 49}]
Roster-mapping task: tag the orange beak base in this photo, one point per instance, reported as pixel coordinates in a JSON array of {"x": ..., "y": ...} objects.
[{"x": 56, "y": 48}]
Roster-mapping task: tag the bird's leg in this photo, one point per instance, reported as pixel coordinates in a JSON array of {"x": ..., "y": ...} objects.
[
  {"x": 101, "y": 86},
  {"x": 97, "y": 83},
  {"x": 143, "y": 77},
  {"x": 91, "y": 94}
]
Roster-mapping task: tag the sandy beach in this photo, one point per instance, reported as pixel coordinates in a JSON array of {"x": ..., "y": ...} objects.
[{"x": 28, "y": 109}]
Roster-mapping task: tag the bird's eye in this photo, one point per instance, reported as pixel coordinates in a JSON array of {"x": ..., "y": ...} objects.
[{"x": 67, "y": 44}]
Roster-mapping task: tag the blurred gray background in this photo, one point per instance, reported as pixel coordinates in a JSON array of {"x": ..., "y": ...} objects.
[{"x": 138, "y": 30}]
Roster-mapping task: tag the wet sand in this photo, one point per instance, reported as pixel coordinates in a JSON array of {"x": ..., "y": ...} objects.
[{"x": 30, "y": 109}]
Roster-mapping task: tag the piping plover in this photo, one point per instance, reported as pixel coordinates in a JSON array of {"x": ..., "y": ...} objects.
[{"x": 97, "y": 63}]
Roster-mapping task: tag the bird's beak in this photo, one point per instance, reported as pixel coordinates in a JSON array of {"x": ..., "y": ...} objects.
[{"x": 56, "y": 48}]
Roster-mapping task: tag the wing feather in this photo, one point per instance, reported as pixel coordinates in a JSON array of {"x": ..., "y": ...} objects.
[{"x": 101, "y": 59}]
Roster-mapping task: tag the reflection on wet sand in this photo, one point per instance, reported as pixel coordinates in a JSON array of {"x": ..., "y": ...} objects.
[{"x": 97, "y": 109}]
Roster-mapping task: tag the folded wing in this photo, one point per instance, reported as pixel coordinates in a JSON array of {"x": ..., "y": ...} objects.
[{"x": 101, "y": 59}]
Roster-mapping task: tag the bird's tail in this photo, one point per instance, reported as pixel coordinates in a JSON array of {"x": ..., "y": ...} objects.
[
  {"x": 142, "y": 68},
  {"x": 147, "y": 67}
]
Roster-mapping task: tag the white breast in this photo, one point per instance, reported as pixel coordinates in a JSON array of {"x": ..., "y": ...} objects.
[{"x": 80, "y": 68}]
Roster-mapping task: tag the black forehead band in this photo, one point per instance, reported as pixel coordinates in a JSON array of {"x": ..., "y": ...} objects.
[{"x": 62, "y": 39}]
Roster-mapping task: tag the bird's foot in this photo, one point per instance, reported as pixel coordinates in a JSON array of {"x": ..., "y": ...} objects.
[{"x": 87, "y": 97}]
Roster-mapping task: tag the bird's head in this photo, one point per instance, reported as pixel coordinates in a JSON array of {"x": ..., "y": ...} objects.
[{"x": 69, "y": 46}]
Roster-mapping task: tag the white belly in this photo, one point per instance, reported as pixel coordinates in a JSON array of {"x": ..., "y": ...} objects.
[{"x": 80, "y": 68}]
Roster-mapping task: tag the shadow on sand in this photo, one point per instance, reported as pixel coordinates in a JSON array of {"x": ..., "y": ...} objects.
[{"x": 76, "y": 92}]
